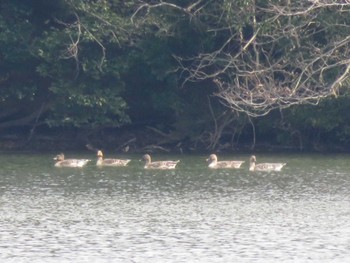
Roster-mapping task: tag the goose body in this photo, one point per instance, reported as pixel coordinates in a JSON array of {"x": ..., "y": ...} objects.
[
  {"x": 61, "y": 162},
  {"x": 264, "y": 166},
  {"x": 110, "y": 162},
  {"x": 215, "y": 164},
  {"x": 162, "y": 165}
]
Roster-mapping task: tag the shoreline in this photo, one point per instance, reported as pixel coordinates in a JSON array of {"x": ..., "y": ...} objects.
[{"x": 61, "y": 143}]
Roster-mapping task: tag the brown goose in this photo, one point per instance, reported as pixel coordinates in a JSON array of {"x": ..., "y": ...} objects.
[
  {"x": 213, "y": 163},
  {"x": 110, "y": 162},
  {"x": 61, "y": 162},
  {"x": 163, "y": 165},
  {"x": 264, "y": 166}
]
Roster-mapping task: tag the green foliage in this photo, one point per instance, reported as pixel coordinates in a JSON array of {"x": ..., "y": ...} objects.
[
  {"x": 60, "y": 59},
  {"x": 87, "y": 64},
  {"x": 152, "y": 87},
  {"x": 329, "y": 119},
  {"x": 326, "y": 125},
  {"x": 20, "y": 91}
]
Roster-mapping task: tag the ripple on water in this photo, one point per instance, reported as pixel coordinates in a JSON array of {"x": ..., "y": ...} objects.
[{"x": 186, "y": 215}]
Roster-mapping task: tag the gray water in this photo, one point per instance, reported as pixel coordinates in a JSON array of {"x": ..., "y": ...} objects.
[{"x": 192, "y": 214}]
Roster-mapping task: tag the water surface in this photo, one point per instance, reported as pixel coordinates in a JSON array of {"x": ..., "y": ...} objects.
[{"x": 192, "y": 214}]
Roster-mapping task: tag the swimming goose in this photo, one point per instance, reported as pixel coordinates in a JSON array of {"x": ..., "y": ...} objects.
[
  {"x": 165, "y": 165},
  {"x": 213, "y": 163},
  {"x": 61, "y": 162},
  {"x": 110, "y": 162},
  {"x": 264, "y": 166}
]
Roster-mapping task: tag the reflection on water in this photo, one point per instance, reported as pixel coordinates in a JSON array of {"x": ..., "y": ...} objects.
[{"x": 192, "y": 214}]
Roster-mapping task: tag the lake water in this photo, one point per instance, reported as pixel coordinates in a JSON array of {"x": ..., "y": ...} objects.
[{"x": 192, "y": 214}]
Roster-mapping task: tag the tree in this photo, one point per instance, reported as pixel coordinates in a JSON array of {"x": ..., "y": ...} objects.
[
  {"x": 61, "y": 63},
  {"x": 82, "y": 58},
  {"x": 267, "y": 54},
  {"x": 22, "y": 98}
]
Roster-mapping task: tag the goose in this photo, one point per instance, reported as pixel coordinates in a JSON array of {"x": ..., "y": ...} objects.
[
  {"x": 110, "y": 162},
  {"x": 213, "y": 163},
  {"x": 61, "y": 162},
  {"x": 264, "y": 166},
  {"x": 164, "y": 165}
]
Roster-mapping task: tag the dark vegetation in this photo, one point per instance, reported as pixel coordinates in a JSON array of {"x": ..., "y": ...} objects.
[{"x": 114, "y": 75}]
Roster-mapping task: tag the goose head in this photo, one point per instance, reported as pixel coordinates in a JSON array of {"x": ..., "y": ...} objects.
[
  {"x": 99, "y": 153},
  {"x": 146, "y": 158},
  {"x": 213, "y": 159},
  {"x": 59, "y": 157}
]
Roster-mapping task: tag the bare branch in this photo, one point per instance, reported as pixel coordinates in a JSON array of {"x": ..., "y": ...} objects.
[
  {"x": 292, "y": 56},
  {"x": 148, "y": 7}
]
